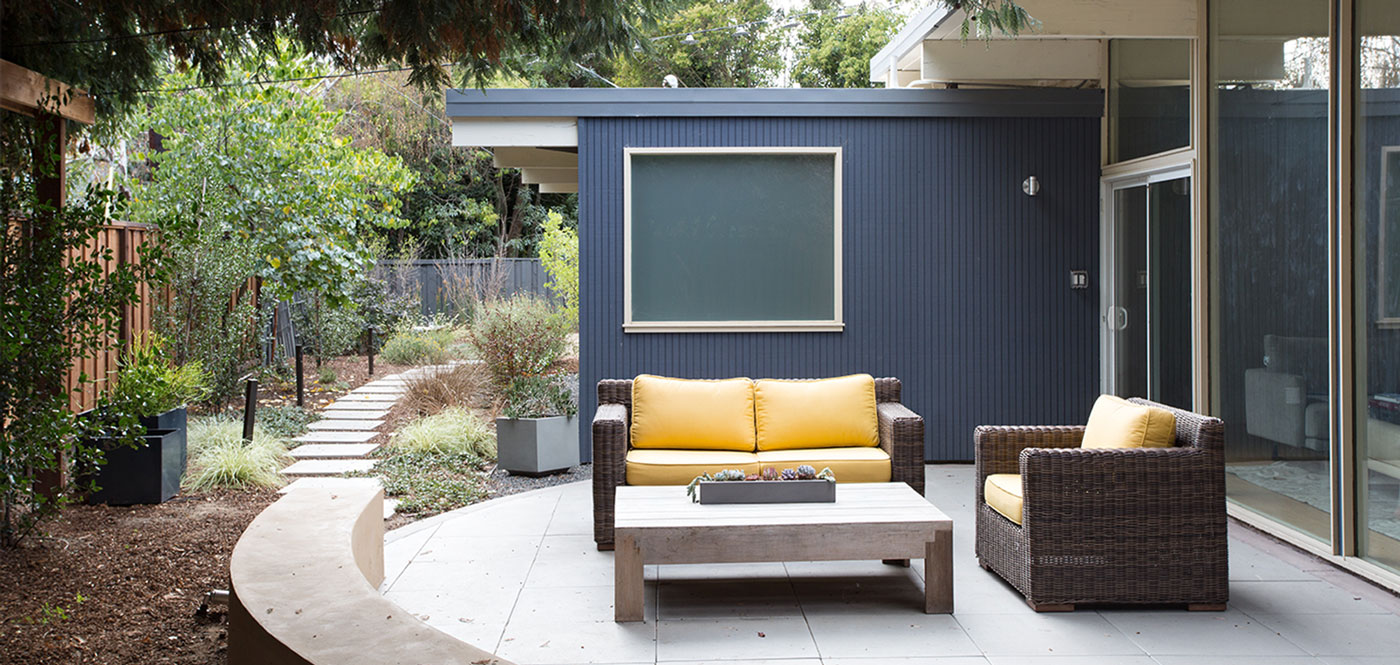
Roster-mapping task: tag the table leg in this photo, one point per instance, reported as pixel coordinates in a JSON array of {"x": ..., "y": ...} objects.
[
  {"x": 938, "y": 574},
  {"x": 627, "y": 580}
]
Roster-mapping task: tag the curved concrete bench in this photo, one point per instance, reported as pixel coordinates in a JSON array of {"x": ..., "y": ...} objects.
[{"x": 305, "y": 581}]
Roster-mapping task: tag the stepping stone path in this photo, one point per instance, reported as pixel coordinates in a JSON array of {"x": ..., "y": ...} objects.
[{"x": 340, "y": 442}]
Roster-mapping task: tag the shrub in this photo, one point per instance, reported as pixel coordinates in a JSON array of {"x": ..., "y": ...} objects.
[
  {"x": 326, "y": 329},
  {"x": 147, "y": 384},
  {"x": 427, "y": 483},
  {"x": 518, "y": 337},
  {"x": 327, "y": 376},
  {"x": 538, "y": 397},
  {"x": 559, "y": 254},
  {"x": 458, "y": 385},
  {"x": 453, "y": 430},
  {"x": 413, "y": 348},
  {"x": 219, "y": 457},
  {"x": 285, "y": 422}
]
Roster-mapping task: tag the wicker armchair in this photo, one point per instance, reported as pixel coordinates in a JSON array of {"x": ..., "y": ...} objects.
[
  {"x": 1139, "y": 526},
  {"x": 901, "y": 437}
]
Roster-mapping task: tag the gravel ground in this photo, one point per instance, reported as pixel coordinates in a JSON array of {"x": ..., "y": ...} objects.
[{"x": 504, "y": 484}]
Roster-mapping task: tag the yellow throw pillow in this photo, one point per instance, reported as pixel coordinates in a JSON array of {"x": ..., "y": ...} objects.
[
  {"x": 825, "y": 413},
  {"x": 689, "y": 414},
  {"x": 1117, "y": 423}
]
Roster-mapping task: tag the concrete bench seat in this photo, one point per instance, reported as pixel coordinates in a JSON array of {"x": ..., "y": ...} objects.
[{"x": 304, "y": 582}]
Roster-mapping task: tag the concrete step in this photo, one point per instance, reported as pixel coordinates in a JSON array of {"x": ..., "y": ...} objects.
[
  {"x": 368, "y": 397},
  {"x": 361, "y": 405},
  {"x": 321, "y": 482},
  {"x": 355, "y": 414},
  {"x": 333, "y": 451},
  {"x": 326, "y": 467},
  {"x": 347, "y": 424},
  {"x": 371, "y": 389},
  {"x": 336, "y": 437}
]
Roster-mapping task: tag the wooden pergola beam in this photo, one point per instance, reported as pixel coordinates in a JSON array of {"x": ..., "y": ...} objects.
[{"x": 29, "y": 92}]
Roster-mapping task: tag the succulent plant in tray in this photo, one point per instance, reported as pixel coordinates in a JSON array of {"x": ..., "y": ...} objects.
[{"x": 768, "y": 473}]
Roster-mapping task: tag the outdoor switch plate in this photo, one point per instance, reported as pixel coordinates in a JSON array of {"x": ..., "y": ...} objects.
[{"x": 1079, "y": 279}]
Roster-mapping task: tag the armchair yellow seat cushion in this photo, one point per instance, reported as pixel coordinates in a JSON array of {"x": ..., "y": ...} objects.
[
  {"x": 1117, "y": 423},
  {"x": 860, "y": 464},
  {"x": 690, "y": 414},
  {"x": 824, "y": 413},
  {"x": 1003, "y": 493},
  {"x": 679, "y": 467}
]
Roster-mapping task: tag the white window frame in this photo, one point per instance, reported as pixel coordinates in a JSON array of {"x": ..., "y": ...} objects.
[{"x": 631, "y": 325}]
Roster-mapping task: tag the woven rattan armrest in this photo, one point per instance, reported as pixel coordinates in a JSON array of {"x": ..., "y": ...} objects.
[
  {"x": 1113, "y": 486},
  {"x": 997, "y": 448},
  {"x": 902, "y": 438},
  {"x": 610, "y": 440}
]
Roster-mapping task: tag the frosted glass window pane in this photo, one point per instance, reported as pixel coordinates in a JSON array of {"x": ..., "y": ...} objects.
[{"x": 733, "y": 237}]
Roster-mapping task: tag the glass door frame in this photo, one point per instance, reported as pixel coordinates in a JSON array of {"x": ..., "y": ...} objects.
[{"x": 1158, "y": 171}]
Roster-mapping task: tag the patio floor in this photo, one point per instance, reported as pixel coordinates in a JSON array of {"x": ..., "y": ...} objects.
[{"x": 520, "y": 576}]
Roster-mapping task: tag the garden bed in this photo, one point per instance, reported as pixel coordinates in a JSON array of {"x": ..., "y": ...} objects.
[{"x": 122, "y": 585}]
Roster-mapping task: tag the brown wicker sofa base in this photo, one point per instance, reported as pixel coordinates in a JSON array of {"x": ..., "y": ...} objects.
[
  {"x": 1140, "y": 526},
  {"x": 901, "y": 437}
]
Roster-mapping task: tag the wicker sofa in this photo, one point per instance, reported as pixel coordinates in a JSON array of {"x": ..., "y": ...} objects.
[
  {"x": 1138, "y": 526},
  {"x": 900, "y": 437}
]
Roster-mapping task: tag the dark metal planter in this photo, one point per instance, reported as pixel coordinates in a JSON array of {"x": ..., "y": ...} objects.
[
  {"x": 148, "y": 474},
  {"x": 768, "y": 491},
  {"x": 536, "y": 446}
]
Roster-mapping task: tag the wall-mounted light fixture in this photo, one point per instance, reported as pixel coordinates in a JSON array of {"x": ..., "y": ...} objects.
[{"x": 1031, "y": 186}]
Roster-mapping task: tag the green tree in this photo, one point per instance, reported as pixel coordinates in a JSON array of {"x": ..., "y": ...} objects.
[
  {"x": 559, "y": 254},
  {"x": 832, "y": 51},
  {"x": 720, "y": 58},
  {"x": 263, "y": 164},
  {"x": 119, "y": 47}
]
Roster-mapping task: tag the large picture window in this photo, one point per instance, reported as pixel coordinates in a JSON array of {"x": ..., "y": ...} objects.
[{"x": 732, "y": 239}]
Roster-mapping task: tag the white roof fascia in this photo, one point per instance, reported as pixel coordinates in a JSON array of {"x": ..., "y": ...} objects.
[{"x": 908, "y": 39}]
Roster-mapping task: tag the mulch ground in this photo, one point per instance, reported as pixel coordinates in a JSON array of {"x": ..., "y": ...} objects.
[
  {"x": 351, "y": 372},
  {"x": 121, "y": 585}
]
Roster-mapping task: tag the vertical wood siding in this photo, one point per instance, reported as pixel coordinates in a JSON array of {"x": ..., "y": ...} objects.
[{"x": 954, "y": 281}]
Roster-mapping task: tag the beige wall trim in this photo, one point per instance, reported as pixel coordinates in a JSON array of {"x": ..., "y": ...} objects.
[
  {"x": 1005, "y": 60},
  {"x": 516, "y": 132},
  {"x": 631, "y": 325},
  {"x": 534, "y": 175},
  {"x": 518, "y": 157}
]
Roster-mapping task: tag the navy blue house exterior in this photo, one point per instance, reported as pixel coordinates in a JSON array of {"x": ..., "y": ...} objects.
[{"x": 954, "y": 280}]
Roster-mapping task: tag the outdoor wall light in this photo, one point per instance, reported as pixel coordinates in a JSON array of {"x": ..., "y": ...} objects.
[{"x": 1031, "y": 186}]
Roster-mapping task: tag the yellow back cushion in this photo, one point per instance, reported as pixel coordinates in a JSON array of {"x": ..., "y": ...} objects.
[
  {"x": 827, "y": 413},
  {"x": 688, "y": 414},
  {"x": 1118, "y": 423}
]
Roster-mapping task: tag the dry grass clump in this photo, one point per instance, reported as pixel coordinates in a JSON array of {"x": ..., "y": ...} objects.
[
  {"x": 219, "y": 457},
  {"x": 452, "y": 431},
  {"x": 461, "y": 385}
]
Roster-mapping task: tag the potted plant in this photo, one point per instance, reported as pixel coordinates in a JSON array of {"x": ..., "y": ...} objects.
[
  {"x": 538, "y": 432},
  {"x": 157, "y": 391},
  {"x": 801, "y": 485}
]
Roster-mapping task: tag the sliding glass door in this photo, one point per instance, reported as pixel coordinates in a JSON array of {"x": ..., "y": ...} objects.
[{"x": 1147, "y": 318}]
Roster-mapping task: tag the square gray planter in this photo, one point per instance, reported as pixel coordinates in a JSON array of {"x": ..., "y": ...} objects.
[
  {"x": 536, "y": 446},
  {"x": 767, "y": 491}
]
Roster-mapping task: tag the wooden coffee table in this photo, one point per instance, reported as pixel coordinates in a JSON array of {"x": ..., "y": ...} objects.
[{"x": 867, "y": 521}]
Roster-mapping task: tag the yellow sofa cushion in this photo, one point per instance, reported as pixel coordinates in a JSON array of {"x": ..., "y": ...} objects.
[
  {"x": 691, "y": 414},
  {"x": 826, "y": 413},
  {"x": 1003, "y": 493},
  {"x": 1117, "y": 423},
  {"x": 862, "y": 464},
  {"x": 679, "y": 467}
]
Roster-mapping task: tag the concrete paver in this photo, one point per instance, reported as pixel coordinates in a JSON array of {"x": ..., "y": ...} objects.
[{"x": 519, "y": 576}]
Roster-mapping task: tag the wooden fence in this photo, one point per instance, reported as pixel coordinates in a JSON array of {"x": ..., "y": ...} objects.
[{"x": 124, "y": 239}]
